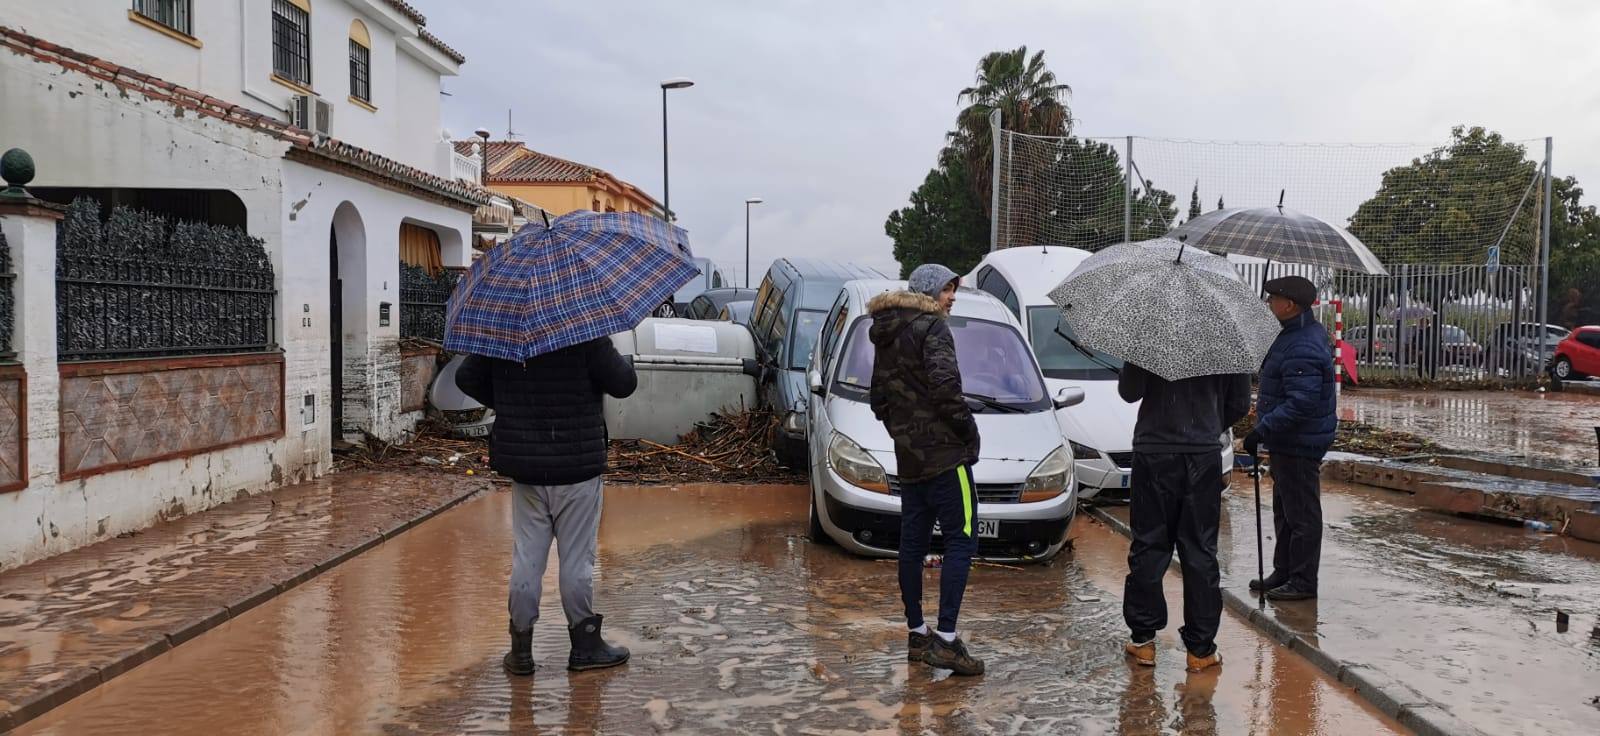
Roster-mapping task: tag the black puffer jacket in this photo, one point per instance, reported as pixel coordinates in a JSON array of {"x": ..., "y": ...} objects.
[
  {"x": 916, "y": 386},
  {"x": 549, "y": 426}
]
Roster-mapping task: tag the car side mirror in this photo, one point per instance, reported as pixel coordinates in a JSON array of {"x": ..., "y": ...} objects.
[
  {"x": 814, "y": 379},
  {"x": 1070, "y": 396},
  {"x": 751, "y": 367}
]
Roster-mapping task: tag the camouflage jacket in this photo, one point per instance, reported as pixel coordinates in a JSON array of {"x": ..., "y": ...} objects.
[{"x": 916, "y": 386}]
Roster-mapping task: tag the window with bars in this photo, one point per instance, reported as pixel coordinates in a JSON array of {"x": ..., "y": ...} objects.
[
  {"x": 291, "y": 42},
  {"x": 360, "y": 71},
  {"x": 175, "y": 14}
]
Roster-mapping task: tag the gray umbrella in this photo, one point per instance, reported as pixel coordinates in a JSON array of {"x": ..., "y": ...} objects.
[
  {"x": 1171, "y": 308},
  {"x": 1278, "y": 234}
]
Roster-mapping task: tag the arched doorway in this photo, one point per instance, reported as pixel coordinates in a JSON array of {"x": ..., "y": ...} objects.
[{"x": 347, "y": 243}]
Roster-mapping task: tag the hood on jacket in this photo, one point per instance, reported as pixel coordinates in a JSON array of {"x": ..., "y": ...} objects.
[{"x": 893, "y": 311}]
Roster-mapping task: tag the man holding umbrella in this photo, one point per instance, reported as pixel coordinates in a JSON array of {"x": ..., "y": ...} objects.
[
  {"x": 534, "y": 315},
  {"x": 1296, "y": 420}
]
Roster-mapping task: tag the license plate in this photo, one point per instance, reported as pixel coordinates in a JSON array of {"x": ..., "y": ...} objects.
[
  {"x": 1125, "y": 478},
  {"x": 986, "y": 528},
  {"x": 476, "y": 430}
]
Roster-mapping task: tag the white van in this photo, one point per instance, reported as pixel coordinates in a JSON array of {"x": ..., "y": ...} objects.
[
  {"x": 1024, "y": 477},
  {"x": 1101, "y": 430}
]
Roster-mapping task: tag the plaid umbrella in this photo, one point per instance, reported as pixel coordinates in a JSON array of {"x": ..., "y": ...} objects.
[
  {"x": 581, "y": 276},
  {"x": 1278, "y": 234},
  {"x": 1168, "y": 307}
]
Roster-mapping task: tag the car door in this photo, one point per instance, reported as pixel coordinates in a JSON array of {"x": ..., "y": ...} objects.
[
  {"x": 822, "y": 362},
  {"x": 1586, "y": 358}
]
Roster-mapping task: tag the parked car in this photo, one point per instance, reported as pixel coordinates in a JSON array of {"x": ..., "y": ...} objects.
[
  {"x": 710, "y": 278},
  {"x": 737, "y": 313},
  {"x": 709, "y": 304},
  {"x": 1024, "y": 481},
  {"x": 1101, "y": 430},
  {"x": 1578, "y": 356},
  {"x": 1517, "y": 347},
  {"x": 1380, "y": 350},
  {"x": 1456, "y": 347},
  {"x": 787, "y": 315}
]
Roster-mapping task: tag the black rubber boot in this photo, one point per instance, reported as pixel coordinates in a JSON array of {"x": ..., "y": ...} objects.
[
  {"x": 519, "y": 661},
  {"x": 589, "y": 650},
  {"x": 1274, "y": 580}
]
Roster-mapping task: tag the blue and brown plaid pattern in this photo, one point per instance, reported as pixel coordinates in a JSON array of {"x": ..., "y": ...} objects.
[
  {"x": 586, "y": 275},
  {"x": 1280, "y": 235}
]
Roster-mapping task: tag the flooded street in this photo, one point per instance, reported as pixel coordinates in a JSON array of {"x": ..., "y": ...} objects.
[
  {"x": 738, "y": 624},
  {"x": 1551, "y": 426},
  {"x": 1462, "y": 611}
]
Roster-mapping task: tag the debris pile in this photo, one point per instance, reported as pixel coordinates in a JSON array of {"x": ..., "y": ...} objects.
[
  {"x": 730, "y": 448},
  {"x": 1363, "y": 439}
]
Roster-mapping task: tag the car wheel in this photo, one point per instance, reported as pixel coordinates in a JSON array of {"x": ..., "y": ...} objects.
[
  {"x": 1563, "y": 368},
  {"x": 665, "y": 310},
  {"x": 815, "y": 531}
]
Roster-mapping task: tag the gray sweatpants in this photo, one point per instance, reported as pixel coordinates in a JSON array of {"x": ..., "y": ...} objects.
[{"x": 571, "y": 516}]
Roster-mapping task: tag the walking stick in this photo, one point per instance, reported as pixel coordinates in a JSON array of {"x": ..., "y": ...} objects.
[{"x": 1261, "y": 561}]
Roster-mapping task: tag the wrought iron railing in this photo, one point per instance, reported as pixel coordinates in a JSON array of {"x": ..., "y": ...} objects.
[
  {"x": 422, "y": 301},
  {"x": 8, "y": 300},
  {"x": 135, "y": 288}
]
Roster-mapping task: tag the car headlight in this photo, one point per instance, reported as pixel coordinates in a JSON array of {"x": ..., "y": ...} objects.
[
  {"x": 1051, "y": 478},
  {"x": 856, "y": 466},
  {"x": 1084, "y": 452},
  {"x": 795, "y": 423}
]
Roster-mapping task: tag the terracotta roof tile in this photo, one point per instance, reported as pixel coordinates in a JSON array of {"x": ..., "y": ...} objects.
[
  {"x": 408, "y": 11},
  {"x": 326, "y": 149},
  {"x": 443, "y": 48}
]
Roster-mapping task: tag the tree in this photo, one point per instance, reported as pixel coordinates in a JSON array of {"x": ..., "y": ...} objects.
[
  {"x": 1029, "y": 98},
  {"x": 1194, "y": 201},
  {"x": 1574, "y": 256},
  {"x": 944, "y": 223},
  {"x": 1451, "y": 205}
]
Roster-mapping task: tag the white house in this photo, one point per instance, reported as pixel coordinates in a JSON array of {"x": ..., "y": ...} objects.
[{"x": 311, "y": 124}]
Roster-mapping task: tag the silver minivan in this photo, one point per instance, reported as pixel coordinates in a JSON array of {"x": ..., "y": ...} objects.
[{"x": 1026, "y": 491}]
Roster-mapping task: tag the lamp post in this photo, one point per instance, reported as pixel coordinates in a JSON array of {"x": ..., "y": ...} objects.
[
  {"x": 483, "y": 156},
  {"x": 747, "y": 203},
  {"x": 666, "y": 185}
]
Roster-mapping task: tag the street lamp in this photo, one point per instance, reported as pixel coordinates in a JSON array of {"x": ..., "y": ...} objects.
[
  {"x": 483, "y": 155},
  {"x": 747, "y": 203},
  {"x": 666, "y": 186}
]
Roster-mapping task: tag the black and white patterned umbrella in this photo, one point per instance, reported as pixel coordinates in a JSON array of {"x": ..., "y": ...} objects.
[
  {"x": 1281, "y": 235},
  {"x": 1168, "y": 307}
]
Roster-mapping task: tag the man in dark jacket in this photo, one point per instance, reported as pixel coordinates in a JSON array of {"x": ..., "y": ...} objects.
[
  {"x": 916, "y": 393},
  {"x": 549, "y": 437},
  {"x": 1176, "y": 502},
  {"x": 1296, "y": 420}
]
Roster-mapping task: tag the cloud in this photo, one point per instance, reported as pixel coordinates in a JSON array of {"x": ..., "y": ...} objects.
[{"x": 834, "y": 111}]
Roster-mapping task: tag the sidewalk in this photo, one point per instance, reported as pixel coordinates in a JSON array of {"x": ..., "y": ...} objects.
[
  {"x": 71, "y": 622},
  {"x": 1445, "y": 623}
]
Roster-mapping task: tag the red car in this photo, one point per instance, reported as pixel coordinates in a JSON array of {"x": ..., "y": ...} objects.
[{"x": 1578, "y": 356}]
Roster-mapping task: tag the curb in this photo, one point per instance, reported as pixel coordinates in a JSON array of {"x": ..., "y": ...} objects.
[
  {"x": 74, "y": 685},
  {"x": 1397, "y": 700}
]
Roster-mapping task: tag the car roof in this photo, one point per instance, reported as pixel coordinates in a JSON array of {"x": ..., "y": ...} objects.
[
  {"x": 970, "y": 303},
  {"x": 816, "y": 268},
  {"x": 1032, "y": 270}
]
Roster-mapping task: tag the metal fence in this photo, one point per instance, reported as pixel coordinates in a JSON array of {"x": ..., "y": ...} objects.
[
  {"x": 1432, "y": 323},
  {"x": 422, "y": 301},
  {"x": 139, "y": 286}
]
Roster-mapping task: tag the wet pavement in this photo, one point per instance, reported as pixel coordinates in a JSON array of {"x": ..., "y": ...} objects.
[
  {"x": 738, "y": 624},
  {"x": 74, "y": 620},
  {"x": 1461, "y": 611},
  {"x": 1550, "y": 426}
]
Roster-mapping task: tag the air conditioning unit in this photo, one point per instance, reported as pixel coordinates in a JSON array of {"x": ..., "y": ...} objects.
[{"x": 311, "y": 113}]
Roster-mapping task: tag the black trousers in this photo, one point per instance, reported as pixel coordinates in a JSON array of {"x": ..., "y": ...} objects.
[
  {"x": 949, "y": 499},
  {"x": 1176, "y": 504},
  {"x": 1297, "y": 518}
]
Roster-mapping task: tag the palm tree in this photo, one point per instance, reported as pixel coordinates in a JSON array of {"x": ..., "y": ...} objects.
[{"x": 1029, "y": 98}]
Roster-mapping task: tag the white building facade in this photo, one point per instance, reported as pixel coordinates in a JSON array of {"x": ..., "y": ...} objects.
[{"x": 312, "y": 125}]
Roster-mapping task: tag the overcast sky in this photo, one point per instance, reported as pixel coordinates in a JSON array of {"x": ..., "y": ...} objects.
[{"x": 833, "y": 111}]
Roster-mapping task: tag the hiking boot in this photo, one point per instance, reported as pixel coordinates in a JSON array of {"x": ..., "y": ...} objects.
[
  {"x": 589, "y": 650},
  {"x": 1142, "y": 652},
  {"x": 1199, "y": 664},
  {"x": 951, "y": 656},
  {"x": 1274, "y": 580},
  {"x": 916, "y": 645},
  {"x": 1290, "y": 593},
  {"x": 519, "y": 661}
]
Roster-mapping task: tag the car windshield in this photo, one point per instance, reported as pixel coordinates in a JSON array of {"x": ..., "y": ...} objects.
[
  {"x": 1057, "y": 357},
  {"x": 994, "y": 363},
  {"x": 803, "y": 337}
]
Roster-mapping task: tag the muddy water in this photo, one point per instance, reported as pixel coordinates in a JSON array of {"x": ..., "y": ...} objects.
[
  {"x": 738, "y": 625},
  {"x": 1461, "y": 611},
  {"x": 1551, "y": 426}
]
